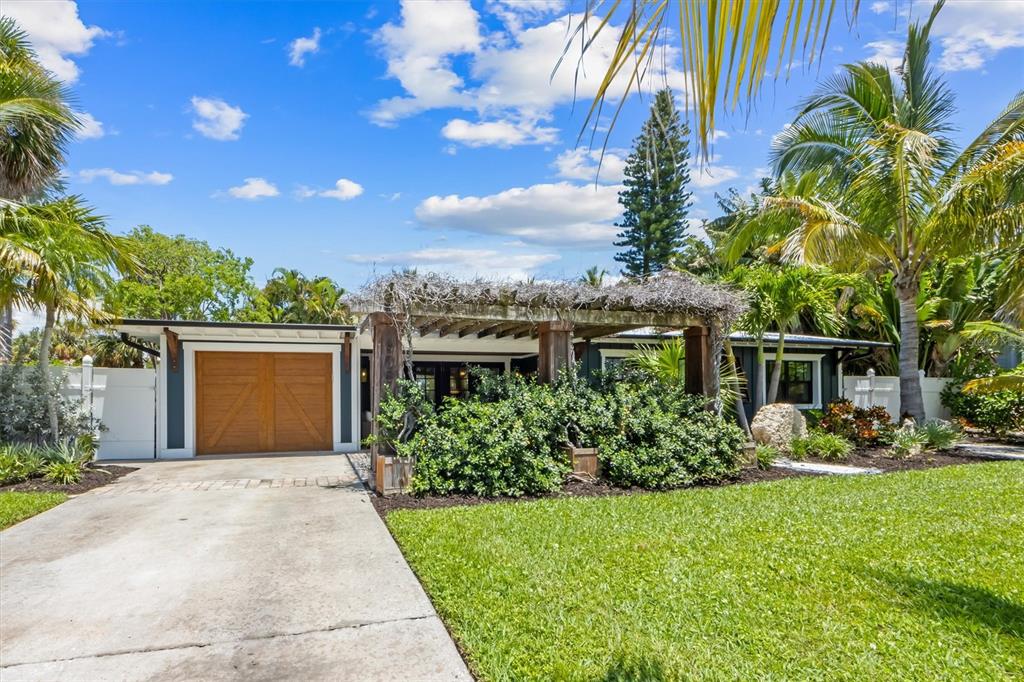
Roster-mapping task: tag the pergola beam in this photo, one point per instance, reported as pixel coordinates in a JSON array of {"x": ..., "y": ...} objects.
[
  {"x": 475, "y": 328},
  {"x": 580, "y": 316},
  {"x": 431, "y": 326}
]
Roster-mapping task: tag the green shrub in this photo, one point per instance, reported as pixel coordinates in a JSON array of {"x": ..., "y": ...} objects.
[
  {"x": 19, "y": 461},
  {"x": 939, "y": 434},
  {"x": 865, "y": 426},
  {"x": 765, "y": 455},
  {"x": 661, "y": 437},
  {"x": 66, "y": 462},
  {"x": 823, "y": 445},
  {"x": 508, "y": 438},
  {"x": 24, "y": 396},
  {"x": 502, "y": 448},
  {"x": 906, "y": 441},
  {"x": 997, "y": 412}
]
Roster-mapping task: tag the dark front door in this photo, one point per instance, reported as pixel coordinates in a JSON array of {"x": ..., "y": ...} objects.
[{"x": 442, "y": 380}]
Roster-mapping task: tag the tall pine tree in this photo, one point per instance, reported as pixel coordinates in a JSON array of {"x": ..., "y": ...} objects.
[{"x": 655, "y": 200}]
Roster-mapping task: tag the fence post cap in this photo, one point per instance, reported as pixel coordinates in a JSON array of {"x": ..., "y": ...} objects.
[
  {"x": 87, "y": 360},
  {"x": 871, "y": 372}
]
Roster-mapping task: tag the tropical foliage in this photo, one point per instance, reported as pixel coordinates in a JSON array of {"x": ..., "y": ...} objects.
[
  {"x": 181, "y": 279},
  {"x": 870, "y": 181},
  {"x": 726, "y": 47}
]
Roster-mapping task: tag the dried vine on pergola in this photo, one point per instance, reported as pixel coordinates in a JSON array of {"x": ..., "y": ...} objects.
[{"x": 401, "y": 294}]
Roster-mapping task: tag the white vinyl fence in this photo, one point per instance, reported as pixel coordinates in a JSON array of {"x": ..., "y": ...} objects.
[
  {"x": 866, "y": 391},
  {"x": 123, "y": 402}
]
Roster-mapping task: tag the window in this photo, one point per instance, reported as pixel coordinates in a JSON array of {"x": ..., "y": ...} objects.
[{"x": 796, "y": 384}]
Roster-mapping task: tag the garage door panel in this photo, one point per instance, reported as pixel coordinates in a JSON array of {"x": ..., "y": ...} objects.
[{"x": 262, "y": 402}]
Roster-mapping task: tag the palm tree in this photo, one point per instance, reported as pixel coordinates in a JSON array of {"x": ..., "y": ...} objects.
[
  {"x": 726, "y": 47},
  {"x": 594, "y": 276},
  {"x": 781, "y": 298},
  {"x": 72, "y": 260},
  {"x": 870, "y": 182},
  {"x": 36, "y": 119},
  {"x": 36, "y": 123}
]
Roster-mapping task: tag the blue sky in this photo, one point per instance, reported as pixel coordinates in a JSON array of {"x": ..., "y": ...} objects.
[{"x": 341, "y": 138}]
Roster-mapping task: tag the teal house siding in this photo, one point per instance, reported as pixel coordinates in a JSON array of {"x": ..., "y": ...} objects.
[
  {"x": 345, "y": 383},
  {"x": 176, "y": 402}
]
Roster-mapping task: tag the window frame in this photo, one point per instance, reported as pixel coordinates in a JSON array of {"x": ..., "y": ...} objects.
[{"x": 815, "y": 360}]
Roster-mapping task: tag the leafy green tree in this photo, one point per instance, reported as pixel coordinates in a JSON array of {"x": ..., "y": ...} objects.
[
  {"x": 871, "y": 182},
  {"x": 655, "y": 199},
  {"x": 290, "y": 296},
  {"x": 181, "y": 279}
]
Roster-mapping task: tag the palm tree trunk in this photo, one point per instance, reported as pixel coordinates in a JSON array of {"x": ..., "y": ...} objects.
[
  {"x": 6, "y": 333},
  {"x": 773, "y": 388},
  {"x": 44, "y": 368},
  {"x": 741, "y": 413},
  {"x": 911, "y": 401},
  {"x": 759, "y": 385}
]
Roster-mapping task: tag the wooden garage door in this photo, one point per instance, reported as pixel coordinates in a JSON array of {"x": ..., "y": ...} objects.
[{"x": 262, "y": 402}]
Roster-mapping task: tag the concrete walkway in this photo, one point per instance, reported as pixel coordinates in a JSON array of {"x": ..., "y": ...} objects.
[
  {"x": 822, "y": 468},
  {"x": 261, "y": 568}
]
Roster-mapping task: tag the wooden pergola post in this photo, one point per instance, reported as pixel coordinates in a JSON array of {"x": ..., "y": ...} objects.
[
  {"x": 385, "y": 370},
  {"x": 556, "y": 350},
  {"x": 700, "y": 370}
]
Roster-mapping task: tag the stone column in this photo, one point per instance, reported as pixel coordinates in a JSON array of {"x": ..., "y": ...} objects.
[{"x": 555, "y": 349}]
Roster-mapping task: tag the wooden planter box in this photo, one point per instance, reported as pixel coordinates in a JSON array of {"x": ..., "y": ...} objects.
[
  {"x": 392, "y": 474},
  {"x": 584, "y": 461}
]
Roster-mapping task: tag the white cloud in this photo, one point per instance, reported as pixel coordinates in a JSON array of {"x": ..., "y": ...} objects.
[
  {"x": 888, "y": 53},
  {"x": 344, "y": 190},
  {"x": 216, "y": 119},
  {"x": 557, "y": 213},
  {"x": 254, "y": 188},
  {"x": 717, "y": 135},
  {"x": 300, "y": 47},
  {"x": 130, "y": 178},
  {"x": 971, "y": 32},
  {"x": 91, "y": 128},
  {"x": 491, "y": 263},
  {"x": 583, "y": 164},
  {"x": 515, "y": 13},
  {"x": 707, "y": 176},
  {"x": 419, "y": 51},
  {"x": 56, "y": 32},
  {"x": 510, "y": 83},
  {"x": 880, "y": 7},
  {"x": 501, "y": 133},
  {"x": 520, "y": 76}
]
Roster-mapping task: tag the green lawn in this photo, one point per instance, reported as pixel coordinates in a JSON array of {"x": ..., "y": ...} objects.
[
  {"x": 911, "y": 576},
  {"x": 16, "y": 507}
]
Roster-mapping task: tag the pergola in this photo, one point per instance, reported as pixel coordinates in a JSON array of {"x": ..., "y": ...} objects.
[{"x": 403, "y": 306}]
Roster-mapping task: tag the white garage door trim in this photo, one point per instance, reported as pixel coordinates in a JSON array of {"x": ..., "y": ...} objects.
[{"x": 189, "y": 366}]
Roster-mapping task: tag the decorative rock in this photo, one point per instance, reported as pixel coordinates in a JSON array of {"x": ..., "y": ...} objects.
[{"x": 777, "y": 425}]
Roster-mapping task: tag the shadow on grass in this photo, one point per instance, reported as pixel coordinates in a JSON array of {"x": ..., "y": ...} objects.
[
  {"x": 633, "y": 669},
  {"x": 954, "y": 601}
]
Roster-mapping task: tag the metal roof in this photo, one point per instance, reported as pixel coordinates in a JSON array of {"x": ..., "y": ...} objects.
[{"x": 745, "y": 338}]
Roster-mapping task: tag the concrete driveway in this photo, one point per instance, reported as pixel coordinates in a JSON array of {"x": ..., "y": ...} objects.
[{"x": 260, "y": 568}]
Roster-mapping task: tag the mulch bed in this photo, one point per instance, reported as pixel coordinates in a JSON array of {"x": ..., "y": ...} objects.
[
  {"x": 876, "y": 458},
  {"x": 573, "y": 488},
  {"x": 869, "y": 457},
  {"x": 92, "y": 477}
]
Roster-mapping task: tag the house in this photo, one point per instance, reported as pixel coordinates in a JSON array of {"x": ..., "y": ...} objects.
[{"x": 251, "y": 387}]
